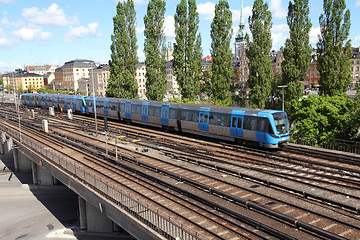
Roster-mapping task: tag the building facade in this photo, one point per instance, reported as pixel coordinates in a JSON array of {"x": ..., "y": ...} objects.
[
  {"x": 75, "y": 70},
  {"x": 355, "y": 68},
  {"x": 140, "y": 77}
]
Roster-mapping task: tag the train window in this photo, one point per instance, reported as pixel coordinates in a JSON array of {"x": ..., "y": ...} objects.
[
  {"x": 188, "y": 115},
  {"x": 239, "y": 123},
  {"x": 261, "y": 124},
  {"x": 201, "y": 118},
  {"x": 250, "y": 123},
  {"x": 173, "y": 113},
  {"x": 151, "y": 111},
  {"x": 157, "y": 112},
  {"x": 113, "y": 106},
  {"x": 136, "y": 109},
  {"x": 206, "y": 118},
  {"x": 281, "y": 122},
  {"x": 233, "y": 122}
]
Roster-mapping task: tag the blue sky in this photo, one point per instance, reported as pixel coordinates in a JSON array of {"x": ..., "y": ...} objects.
[{"x": 40, "y": 32}]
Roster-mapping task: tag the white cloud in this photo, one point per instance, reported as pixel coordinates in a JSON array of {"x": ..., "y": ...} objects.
[
  {"x": 3, "y": 40},
  {"x": 357, "y": 4},
  {"x": 278, "y": 40},
  {"x": 247, "y": 11},
  {"x": 5, "y": 22},
  {"x": 207, "y": 10},
  {"x": 169, "y": 26},
  {"x": 140, "y": 30},
  {"x": 141, "y": 55},
  {"x": 314, "y": 33},
  {"x": 6, "y": 1},
  {"x": 30, "y": 34},
  {"x": 140, "y": 2},
  {"x": 277, "y": 10},
  {"x": 280, "y": 28},
  {"x": 356, "y": 41},
  {"x": 77, "y": 33},
  {"x": 52, "y": 16}
]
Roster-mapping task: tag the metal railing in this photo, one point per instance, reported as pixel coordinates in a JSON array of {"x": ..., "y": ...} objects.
[
  {"x": 327, "y": 143},
  {"x": 162, "y": 223}
]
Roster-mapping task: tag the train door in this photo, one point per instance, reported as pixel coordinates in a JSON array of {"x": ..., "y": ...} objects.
[
  {"x": 128, "y": 109},
  {"x": 236, "y": 124},
  {"x": 65, "y": 102},
  {"x": 75, "y": 103},
  {"x": 165, "y": 114},
  {"x": 204, "y": 118},
  {"x": 106, "y": 106},
  {"x": 145, "y": 111}
]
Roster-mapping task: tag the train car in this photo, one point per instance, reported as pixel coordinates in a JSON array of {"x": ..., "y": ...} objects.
[
  {"x": 28, "y": 99},
  {"x": 266, "y": 128},
  {"x": 152, "y": 113},
  {"x": 106, "y": 107}
]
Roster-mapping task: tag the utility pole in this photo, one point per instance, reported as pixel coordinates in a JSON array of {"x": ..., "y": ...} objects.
[{"x": 283, "y": 104}]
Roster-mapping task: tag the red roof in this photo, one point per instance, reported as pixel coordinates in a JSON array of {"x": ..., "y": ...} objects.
[{"x": 208, "y": 58}]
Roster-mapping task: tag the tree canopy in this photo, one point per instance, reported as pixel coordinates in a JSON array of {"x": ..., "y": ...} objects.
[
  {"x": 187, "y": 49},
  {"x": 258, "y": 50},
  {"x": 222, "y": 70},
  {"x": 334, "y": 48},
  {"x": 297, "y": 51},
  {"x": 155, "y": 50},
  {"x": 124, "y": 61}
]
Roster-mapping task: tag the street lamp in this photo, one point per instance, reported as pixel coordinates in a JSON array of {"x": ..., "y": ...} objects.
[
  {"x": 284, "y": 86},
  {"x": 93, "y": 85}
]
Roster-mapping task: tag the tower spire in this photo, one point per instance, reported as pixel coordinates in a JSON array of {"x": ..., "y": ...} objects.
[
  {"x": 241, "y": 14},
  {"x": 240, "y": 36}
]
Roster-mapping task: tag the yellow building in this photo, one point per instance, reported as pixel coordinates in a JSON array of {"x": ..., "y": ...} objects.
[{"x": 28, "y": 81}]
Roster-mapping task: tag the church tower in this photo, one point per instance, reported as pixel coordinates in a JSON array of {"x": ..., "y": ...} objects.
[{"x": 240, "y": 36}]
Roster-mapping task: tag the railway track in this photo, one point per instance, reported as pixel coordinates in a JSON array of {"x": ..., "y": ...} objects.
[{"x": 235, "y": 166}]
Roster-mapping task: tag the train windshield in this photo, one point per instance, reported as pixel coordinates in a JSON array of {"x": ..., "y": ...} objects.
[{"x": 281, "y": 122}]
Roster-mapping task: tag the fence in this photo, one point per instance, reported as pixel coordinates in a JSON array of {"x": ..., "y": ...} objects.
[
  {"x": 328, "y": 143},
  {"x": 160, "y": 222}
]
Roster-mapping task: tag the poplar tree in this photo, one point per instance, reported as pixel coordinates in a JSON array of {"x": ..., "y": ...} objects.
[
  {"x": 155, "y": 50},
  {"x": 297, "y": 51},
  {"x": 222, "y": 70},
  {"x": 187, "y": 49},
  {"x": 258, "y": 51},
  {"x": 124, "y": 61},
  {"x": 334, "y": 48}
]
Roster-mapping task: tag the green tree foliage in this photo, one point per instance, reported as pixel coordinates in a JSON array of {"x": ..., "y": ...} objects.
[
  {"x": 258, "y": 50},
  {"x": 124, "y": 61},
  {"x": 334, "y": 49},
  {"x": 222, "y": 70},
  {"x": 187, "y": 49},
  {"x": 155, "y": 50},
  {"x": 325, "y": 117},
  {"x": 297, "y": 51}
]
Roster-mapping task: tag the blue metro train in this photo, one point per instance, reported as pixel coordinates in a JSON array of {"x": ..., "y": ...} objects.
[{"x": 266, "y": 128}]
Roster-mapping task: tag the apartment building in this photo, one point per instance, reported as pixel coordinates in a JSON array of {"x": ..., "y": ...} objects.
[
  {"x": 140, "y": 77},
  {"x": 73, "y": 71},
  {"x": 172, "y": 86},
  {"x": 355, "y": 68}
]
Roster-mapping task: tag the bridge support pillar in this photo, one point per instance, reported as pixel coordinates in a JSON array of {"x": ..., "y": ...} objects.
[
  {"x": 21, "y": 162},
  {"x": 82, "y": 213},
  {"x": 2, "y": 148},
  {"x": 34, "y": 167},
  {"x": 96, "y": 220},
  {"x": 3, "y": 141},
  {"x": 41, "y": 176}
]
